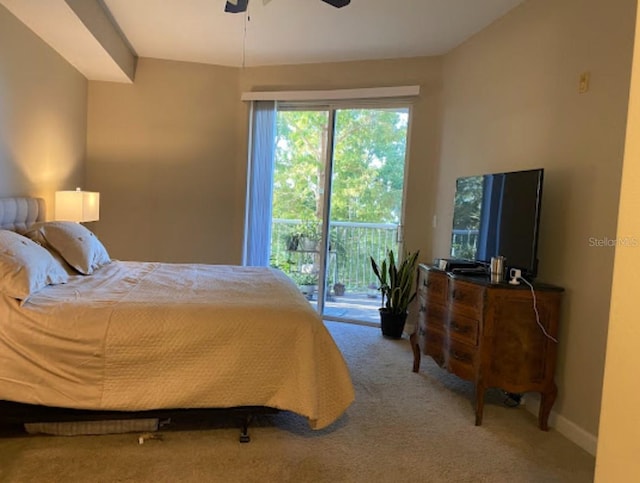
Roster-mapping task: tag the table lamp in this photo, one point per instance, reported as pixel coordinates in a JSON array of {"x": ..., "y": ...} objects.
[{"x": 79, "y": 206}]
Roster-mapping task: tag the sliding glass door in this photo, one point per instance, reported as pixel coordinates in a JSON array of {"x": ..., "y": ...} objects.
[{"x": 337, "y": 200}]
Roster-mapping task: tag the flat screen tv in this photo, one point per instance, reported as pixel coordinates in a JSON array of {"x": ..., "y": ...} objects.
[{"x": 498, "y": 214}]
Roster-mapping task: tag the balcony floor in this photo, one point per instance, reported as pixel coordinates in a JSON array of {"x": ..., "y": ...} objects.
[{"x": 353, "y": 306}]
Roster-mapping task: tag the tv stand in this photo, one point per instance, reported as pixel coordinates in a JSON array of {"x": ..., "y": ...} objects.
[{"x": 489, "y": 334}]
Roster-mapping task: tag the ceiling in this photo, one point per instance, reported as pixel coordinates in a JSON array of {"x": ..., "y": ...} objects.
[
  {"x": 300, "y": 31},
  {"x": 280, "y": 32}
]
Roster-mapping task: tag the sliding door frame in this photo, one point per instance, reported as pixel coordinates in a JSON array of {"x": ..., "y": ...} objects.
[
  {"x": 326, "y": 210},
  {"x": 332, "y": 108}
]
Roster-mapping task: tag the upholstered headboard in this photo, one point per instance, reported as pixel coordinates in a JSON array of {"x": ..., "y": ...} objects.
[{"x": 19, "y": 213}]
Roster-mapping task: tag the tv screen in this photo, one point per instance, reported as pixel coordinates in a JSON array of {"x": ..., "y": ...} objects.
[{"x": 498, "y": 214}]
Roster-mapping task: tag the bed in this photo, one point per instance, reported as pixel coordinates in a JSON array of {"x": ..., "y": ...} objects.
[{"x": 116, "y": 337}]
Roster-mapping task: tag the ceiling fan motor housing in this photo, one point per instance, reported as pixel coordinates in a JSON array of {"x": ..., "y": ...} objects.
[
  {"x": 338, "y": 3},
  {"x": 239, "y": 6},
  {"x": 236, "y": 6}
]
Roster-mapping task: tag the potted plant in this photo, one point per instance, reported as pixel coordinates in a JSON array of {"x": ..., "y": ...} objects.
[
  {"x": 292, "y": 241},
  {"x": 304, "y": 236},
  {"x": 309, "y": 236},
  {"x": 307, "y": 282},
  {"x": 396, "y": 286}
]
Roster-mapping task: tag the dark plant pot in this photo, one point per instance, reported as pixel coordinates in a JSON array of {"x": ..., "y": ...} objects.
[
  {"x": 338, "y": 289},
  {"x": 392, "y": 324}
]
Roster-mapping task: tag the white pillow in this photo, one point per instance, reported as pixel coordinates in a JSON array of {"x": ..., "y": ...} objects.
[
  {"x": 74, "y": 242},
  {"x": 26, "y": 267}
]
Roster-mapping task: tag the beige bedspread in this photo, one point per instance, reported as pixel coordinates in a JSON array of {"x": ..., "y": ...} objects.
[{"x": 137, "y": 336}]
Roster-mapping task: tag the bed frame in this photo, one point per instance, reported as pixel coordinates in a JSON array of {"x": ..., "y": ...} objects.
[
  {"x": 17, "y": 214},
  {"x": 18, "y": 414}
]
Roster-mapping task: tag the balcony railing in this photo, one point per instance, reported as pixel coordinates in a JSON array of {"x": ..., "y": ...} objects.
[
  {"x": 464, "y": 243},
  {"x": 351, "y": 245}
]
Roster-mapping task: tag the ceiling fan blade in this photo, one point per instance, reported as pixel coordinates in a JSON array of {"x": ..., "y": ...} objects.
[
  {"x": 236, "y": 6},
  {"x": 337, "y": 3}
]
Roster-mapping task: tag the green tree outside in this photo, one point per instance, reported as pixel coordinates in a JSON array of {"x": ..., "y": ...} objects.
[
  {"x": 369, "y": 157},
  {"x": 466, "y": 216},
  {"x": 367, "y": 184}
]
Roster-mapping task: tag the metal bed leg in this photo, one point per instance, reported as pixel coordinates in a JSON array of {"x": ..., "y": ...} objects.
[{"x": 244, "y": 430}]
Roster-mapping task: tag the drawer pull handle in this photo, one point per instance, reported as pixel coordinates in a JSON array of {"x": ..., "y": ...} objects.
[
  {"x": 461, "y": 329},
  {"x": 460, "y": 356},
  {"x": 421, "y": 331},
  {"x": 422, "y": 309},
  {"x": 425, "y": 283}
]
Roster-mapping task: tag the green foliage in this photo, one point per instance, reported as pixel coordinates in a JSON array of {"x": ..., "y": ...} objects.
[
  {"x": 466, "y": 215},
  {"x": 310, "y": 229},
  {"x": 368, "y": 175},
  {"x": 368, "y": 172},
  {"x": 305, "y": 232},
  {"x": 468, "y": 203},
  {"x": 396, "y": 282},
  {"x": 299, "y": 164},
  {"x": 304, "y": 278}
]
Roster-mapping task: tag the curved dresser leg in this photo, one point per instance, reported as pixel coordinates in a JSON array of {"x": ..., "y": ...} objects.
[
  {"x": 547, "y": 399},
  {"x": 479, "y": 403},
  {"x": 416, "y": 351}
]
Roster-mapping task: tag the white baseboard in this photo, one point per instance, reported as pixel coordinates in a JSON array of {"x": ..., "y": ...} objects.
[{"x": 567, "y": 428}]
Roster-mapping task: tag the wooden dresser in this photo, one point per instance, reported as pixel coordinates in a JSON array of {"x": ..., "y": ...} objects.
[{"x": 488, "y": 333}]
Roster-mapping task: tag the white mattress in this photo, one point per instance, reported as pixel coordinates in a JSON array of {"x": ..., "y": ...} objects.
[{"x": 137, "y": 336}]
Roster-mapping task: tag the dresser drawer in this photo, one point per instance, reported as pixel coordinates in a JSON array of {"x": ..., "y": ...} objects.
[
  {"x": 433, "y": 286},
  {"x": 433, "y": 345},
  {"x": 467, "y": 297},
  {"x": 435, "y": 315},
  {"x": 461, "y": 359},
  {"x": 464, "y": 329}
]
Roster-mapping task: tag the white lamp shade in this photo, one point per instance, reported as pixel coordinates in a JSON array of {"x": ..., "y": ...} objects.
[{"x": 77, "y": 206}]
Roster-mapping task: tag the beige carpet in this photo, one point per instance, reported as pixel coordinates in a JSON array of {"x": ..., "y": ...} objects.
[{"x": 402, "y": 427}]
